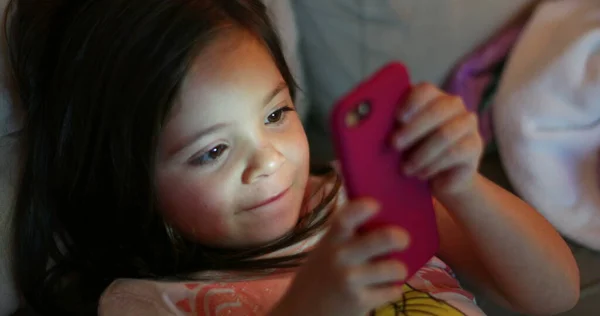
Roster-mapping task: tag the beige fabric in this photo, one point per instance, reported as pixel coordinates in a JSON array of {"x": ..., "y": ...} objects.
[{"x": 132, "y": 298}]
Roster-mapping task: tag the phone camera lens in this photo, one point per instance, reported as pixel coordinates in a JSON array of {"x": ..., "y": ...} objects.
[{"x": 363, "y": 109}]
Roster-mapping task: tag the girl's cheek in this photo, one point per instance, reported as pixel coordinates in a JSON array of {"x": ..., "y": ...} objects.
[
  {"x": 206, "y": 228},
  {"x": 197, "y": 220},
  {"x": 193, "y": 208}
]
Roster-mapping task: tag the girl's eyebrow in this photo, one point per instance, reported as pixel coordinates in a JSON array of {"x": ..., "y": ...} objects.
[{"x": 281, "y": 86}]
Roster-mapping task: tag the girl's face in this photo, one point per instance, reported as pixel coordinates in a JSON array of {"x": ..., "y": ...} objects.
[{"x": 233, "y": 157}]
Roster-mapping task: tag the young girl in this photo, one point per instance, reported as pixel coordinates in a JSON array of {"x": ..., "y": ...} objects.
[{"x": 166, "y": 168}]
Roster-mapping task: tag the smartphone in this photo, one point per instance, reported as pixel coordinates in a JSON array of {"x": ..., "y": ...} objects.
[{"x": 362, "y": 124}]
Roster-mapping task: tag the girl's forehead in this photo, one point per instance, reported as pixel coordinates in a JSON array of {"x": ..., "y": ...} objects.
[
  {"x": 229, "y": 73},
  {"x": 232, "y": 77}
]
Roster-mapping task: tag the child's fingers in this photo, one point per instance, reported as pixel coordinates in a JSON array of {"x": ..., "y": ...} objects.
[
  {"x": 353, "y": 214},
  {"x": 380, "y": 296},
  {"x": 464, "y": 152},
  {"x": 440, "y": 141},
  {"x": 428, "y": 120},
  {"x": 374, "y": 244},
  {"x": 377, "y": 274},
  {"x": 421, "y": 95}
]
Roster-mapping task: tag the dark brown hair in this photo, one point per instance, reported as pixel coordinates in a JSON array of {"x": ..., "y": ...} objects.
[{"x": 97, "y": 79}]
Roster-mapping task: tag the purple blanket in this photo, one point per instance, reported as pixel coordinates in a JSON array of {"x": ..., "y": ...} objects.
[{"x": 476, "y": 77}]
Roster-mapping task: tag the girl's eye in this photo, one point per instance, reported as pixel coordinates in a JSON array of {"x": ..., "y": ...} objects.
[
  {"x": 278, "y": 115},
  {"x": 210, "y": 156}
]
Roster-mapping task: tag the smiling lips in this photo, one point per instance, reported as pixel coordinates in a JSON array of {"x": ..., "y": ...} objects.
[{"x": 269, "y": 200}]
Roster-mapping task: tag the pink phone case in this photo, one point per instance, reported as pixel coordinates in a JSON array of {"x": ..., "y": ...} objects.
[{"x": 372, "y": 168}]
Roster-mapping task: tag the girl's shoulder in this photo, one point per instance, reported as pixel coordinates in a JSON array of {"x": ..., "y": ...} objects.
[{"x": 129, "y": 297}]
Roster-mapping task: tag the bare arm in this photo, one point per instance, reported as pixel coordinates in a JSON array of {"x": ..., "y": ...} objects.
[
  {"x": 507, "y": 248},
  {"x": 491, "y": 235}
]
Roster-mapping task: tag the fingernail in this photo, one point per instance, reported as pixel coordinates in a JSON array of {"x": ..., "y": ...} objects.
[
  {"x": 367, "y": 206},
  {"x": 423, "y": 174},
  {"x": 372, "y": 205},
  {"x": 367, "y": 213},
  {"x": 409, "y": 169},
  {"x": 400, "y": 142},
  {"x": 408, "y": 114}
]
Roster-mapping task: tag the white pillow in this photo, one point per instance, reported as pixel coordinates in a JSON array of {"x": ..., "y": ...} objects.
[{"x": 547, "y": 117}]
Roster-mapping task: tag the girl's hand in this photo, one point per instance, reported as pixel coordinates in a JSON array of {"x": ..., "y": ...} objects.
[
  {"x": 340, "y": 276},
  {"x": 441, "y": 140}
]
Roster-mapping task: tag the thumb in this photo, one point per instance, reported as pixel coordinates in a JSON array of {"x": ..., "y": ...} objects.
[{"x": 352, "y": 215}]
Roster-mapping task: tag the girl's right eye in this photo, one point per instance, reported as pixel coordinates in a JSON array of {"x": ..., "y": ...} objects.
[{"x": 210, "y": 156}]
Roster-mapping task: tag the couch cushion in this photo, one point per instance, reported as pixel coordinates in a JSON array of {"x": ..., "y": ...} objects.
[
  {"x": 342, "y": 42},
  {"x": 284, "y": 20}
]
